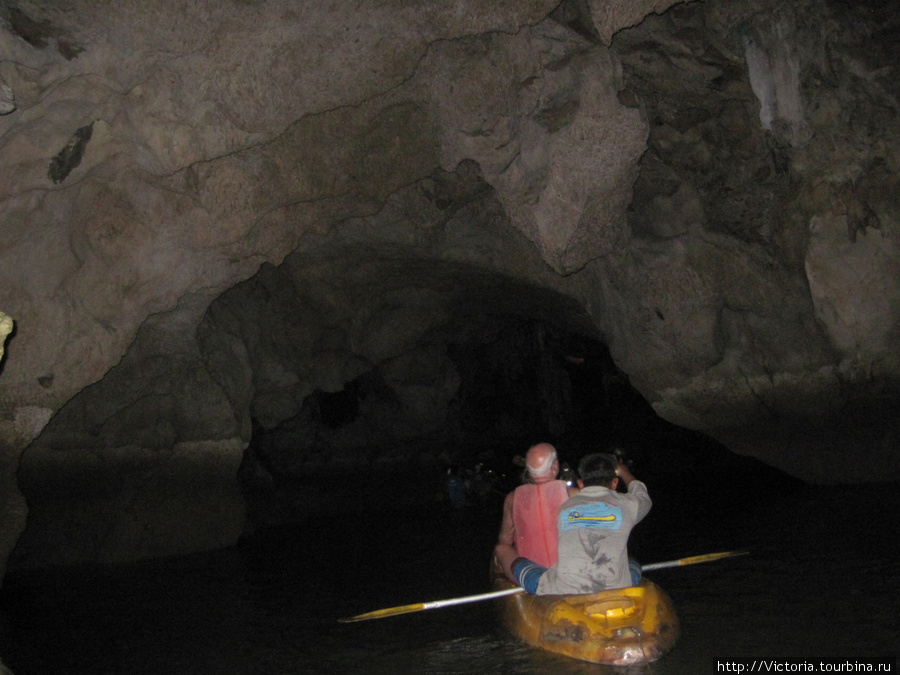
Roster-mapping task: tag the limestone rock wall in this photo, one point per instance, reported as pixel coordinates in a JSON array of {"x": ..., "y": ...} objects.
[
  {"x": 6, "y": 327},
  {"x": 151, "y": 155},
  {"x": 709, "y": 188},
  {"x": 11, "y": 502},
  {"x": 764, "y": 210}
]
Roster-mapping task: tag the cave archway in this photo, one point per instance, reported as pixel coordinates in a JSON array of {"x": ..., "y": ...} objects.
[{"x": 342, "y": 361}]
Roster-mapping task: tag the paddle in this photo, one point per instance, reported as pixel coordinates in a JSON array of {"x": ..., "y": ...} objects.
[
  {"x": 419, "y": 606},
  {"x": 436, "y": 604},
  {"x": 693, "y": 560}
]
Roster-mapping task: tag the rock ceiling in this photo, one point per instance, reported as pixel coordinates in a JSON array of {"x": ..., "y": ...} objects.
[{"x": 212, "y": 212}]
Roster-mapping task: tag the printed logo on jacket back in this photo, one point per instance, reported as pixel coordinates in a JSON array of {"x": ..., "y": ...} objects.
[{"x": 595, "y": 514}]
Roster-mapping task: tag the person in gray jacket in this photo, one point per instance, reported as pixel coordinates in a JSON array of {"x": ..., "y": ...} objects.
[{"x": 594, "y": 526}]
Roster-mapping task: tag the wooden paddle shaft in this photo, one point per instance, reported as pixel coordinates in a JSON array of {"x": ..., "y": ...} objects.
[{"x": 693, "y": 560}]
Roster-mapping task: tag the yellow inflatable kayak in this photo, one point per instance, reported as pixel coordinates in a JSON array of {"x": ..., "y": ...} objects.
[{"x": 623, "y": 626}]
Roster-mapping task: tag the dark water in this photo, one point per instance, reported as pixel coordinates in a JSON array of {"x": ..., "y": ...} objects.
[{"x": 822, "y": 581}]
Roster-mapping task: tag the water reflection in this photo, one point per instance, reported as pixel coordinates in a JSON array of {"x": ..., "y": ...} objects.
[{"x": 822, "y": 581}]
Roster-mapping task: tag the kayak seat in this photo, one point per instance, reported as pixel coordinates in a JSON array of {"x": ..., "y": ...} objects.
[{"x": 618, "y": 608}]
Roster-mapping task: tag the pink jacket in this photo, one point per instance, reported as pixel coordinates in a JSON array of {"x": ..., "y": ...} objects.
[{"x": 535, "y": 508}]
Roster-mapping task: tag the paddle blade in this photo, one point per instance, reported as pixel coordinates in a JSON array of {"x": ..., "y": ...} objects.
[
  {"x": 382, "y": 613},
  {"x": 707, "y": 557},
  {"x": 693, "y": 560}
]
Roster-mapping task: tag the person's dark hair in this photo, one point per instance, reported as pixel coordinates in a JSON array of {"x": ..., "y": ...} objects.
[{"x": 597, "y": 469}]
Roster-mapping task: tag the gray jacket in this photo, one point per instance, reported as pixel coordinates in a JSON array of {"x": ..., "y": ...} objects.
[{"x": 593, "y": 540}]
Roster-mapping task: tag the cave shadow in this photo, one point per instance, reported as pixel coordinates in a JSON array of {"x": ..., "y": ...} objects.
[{"x": 531, "y": 383}]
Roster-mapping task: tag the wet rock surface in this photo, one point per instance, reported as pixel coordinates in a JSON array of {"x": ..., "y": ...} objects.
[{"x": 227, "y": 221}]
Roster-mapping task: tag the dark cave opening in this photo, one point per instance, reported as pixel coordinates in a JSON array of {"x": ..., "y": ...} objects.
[
  {"x": 341, "y": 407},
  {"x": 528, "y": 382}
]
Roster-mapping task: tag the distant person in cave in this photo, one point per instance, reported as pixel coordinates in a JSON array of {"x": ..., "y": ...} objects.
[
  {"x": 456, "y": 486},
  {"x": 528, "y": 528},
  {"x": 594, "y": 526}
]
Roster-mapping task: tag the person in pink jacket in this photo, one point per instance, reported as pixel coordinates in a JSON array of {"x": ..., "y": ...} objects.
[{"x": 528, "y": 529}]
